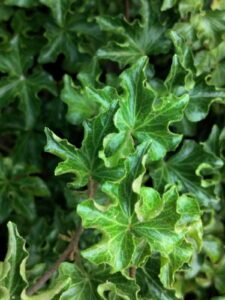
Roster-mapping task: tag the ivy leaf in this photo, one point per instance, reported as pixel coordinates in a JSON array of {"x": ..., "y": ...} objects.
[
  {"x": 148, "y": 279},
  {"x": 18, "y": 189},
  {"x": 211, "y": 63},
  {"x": 123, "y": 229},
  {"x": 187, "y": 168},
  {"x": 182, "y": 61},
  {"x": 16, "y": 61},
  {"x": 184, "y": 6},
  {"x": 201, "y": 97},
  {"x": 118, "y": 287},
  {"x": 63, "y": 31},
  {"x": 86, "y": 101},
  {"x": 59, "y": 10},
  {"x": 22, "y": 3},
  {"x": 12, "y": 270},
  {"x": 115, "y": 221},
  {"x": 84, "y": 162},
  {"x": 209, "y": 27},
  {"x": 143, "y": 117},
  {"x": 134, "y": 40},
  {"x": 213, "y": 247},
  {"x": 29, "y": 32},
  {"x": 28, "y": 147},
  {"x": 80, "y": 106},
  {"x": 219, "y": 276},
  {"x": 52, "y": 292},
  {"x": 217, "y": 5},
  {"x": 81, "y": 287}
]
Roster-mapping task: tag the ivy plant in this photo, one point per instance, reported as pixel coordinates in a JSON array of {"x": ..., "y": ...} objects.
[{"x": 112, "y": 150}]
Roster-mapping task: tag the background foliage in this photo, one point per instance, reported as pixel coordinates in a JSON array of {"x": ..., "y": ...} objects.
[{"x": 131, "y": 95}]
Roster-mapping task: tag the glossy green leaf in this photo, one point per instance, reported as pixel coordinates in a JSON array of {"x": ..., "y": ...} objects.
[
  {"x": 59, "y": 9},
  {"x": 81, "y": 286},
  {"x": 120, "y": 232},
  {"x": 138, "y": 88},
  {"x": 185, "y": 59},
  {"x": 62, "y": 33},
  {"x": 209, "y": 25},
  {"x": 184, "y": 6},
  {"x": 121, "y": 227},
  {"x": 181, "y": 169},
  {"x": 201, "y": 97},
  {"x": 143, "y": 117},
  {"x": 117, "y": 287},
  {"x": 80, "y": 106},
  {"x": 16, "y": 62},
  {"x": 84, "y": 162},
  {"x": 12, "y": 270},
  {"x": 148, "y": 279},
  {"x": 134, "y": 40}
]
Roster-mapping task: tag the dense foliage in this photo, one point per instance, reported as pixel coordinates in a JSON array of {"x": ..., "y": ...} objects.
[{"x": 125, "y": 101}]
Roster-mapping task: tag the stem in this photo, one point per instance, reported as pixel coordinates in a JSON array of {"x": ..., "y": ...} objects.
[
  {"x": 72, "y": 247},
  {"x": 91, "y": 187},
  {"x": 132, "y": 272},
  {"x": 127, "y": 9},
  {"x": 48, "y": 274}
]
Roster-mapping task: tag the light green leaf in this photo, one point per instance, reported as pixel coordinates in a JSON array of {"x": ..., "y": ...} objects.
[
  {"x": 117, "y": 287},
  {"x": 12, "y": 270},
  {"x": 185, "y": 6},
  {"x": 116, "y": 146},
  {"x": 218, "y": 4},
  {"x": 150, "y": 204},
  {"x": 116, "y": 220},
  {"x": 185, "y": 59},
  {"x": 213, "y": 247},
  {"x": 163, "y": 226},
  {"x": 209, "y": 26}
]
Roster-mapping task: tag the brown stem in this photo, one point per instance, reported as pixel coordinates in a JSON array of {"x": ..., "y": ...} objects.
[
  {"x": 91, "y": 187},
  {"x": 127, "y": 9},
  {"x": 132, "y": 272},
  {"x": 72, "y": 247},
  {"x": 48, "y": 274}
]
